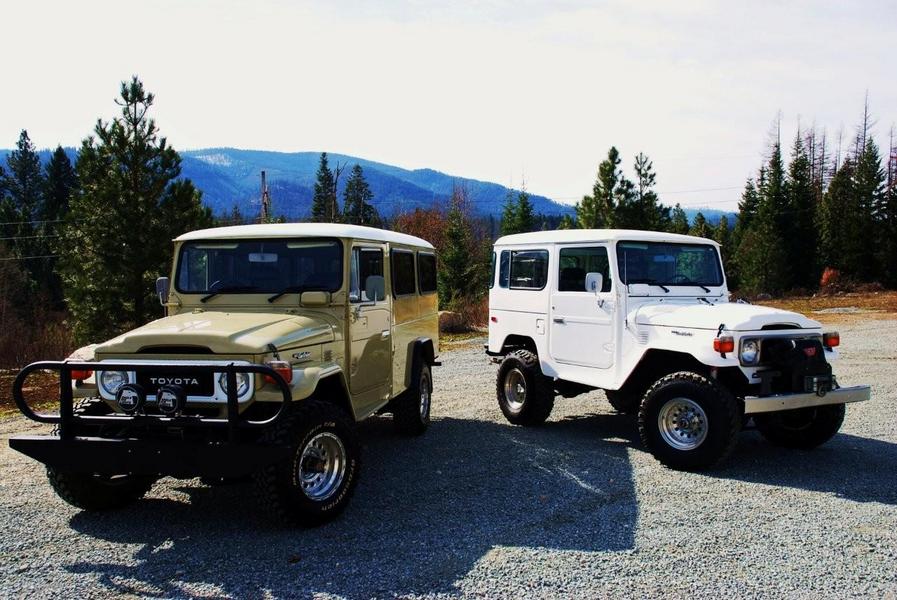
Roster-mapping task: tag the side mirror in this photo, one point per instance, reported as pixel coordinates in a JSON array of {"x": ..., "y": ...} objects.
[
  {"x": 314, "y": 298},
  {"x": 594, "y": 282},
  {"x": 162, "y": 287}
]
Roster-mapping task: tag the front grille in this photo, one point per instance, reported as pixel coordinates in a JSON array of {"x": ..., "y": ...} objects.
[{"x": 195, "y": 384}]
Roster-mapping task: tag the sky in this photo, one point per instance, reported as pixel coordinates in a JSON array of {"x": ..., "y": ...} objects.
[{"x": 516, "y": 92}]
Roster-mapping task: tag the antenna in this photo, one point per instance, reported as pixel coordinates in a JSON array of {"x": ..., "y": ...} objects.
[{"x": 266, "y": 201}]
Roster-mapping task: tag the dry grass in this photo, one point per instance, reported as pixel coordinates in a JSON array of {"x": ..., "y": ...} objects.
[
  {"x": 857, "y": 306},
  {"x": 41, "y": 392}
]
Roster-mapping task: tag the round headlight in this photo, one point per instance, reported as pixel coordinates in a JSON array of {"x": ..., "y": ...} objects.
[
  {"x": 242, "y": 383},
  {"x": 113, "y": 380},
  {"x": 750, "y": 351}
]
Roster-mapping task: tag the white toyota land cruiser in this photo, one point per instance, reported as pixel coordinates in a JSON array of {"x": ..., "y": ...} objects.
[{"x": 646, "y": 317}]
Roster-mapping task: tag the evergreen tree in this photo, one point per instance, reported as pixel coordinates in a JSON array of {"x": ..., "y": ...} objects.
[
  {"x": 644, "y": 211},
  {"x": 836, "y": 218},
  {"x": 869, "y": 187},
  {"x": 611, "y": 190},
  {"x": 61, "y": 183},
  {"x": 526, "y": 220},
  {"x": 129, "y": 206},
  {"x": 455, "y": 259},
  {"x": 567, "y": 222},
  {"x": 324, "y": 207},
  {"x": 357, "y": 200},
  {"x": 723, "y": 236},
  {"x": 701, "y": 227},
  {"x": 509, "y": 214},
  {"x": 24, "y": 188},
  {"x": 888, "y": 244},
  {"x": 679, "y": 221},
  {"x": 763, "y": 261},
  {"x": 800, "y": 234}
]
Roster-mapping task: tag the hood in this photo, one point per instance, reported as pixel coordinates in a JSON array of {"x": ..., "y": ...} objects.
[
  {"x": 735, "y": 317},
  {"x": 222, "y": 333}
]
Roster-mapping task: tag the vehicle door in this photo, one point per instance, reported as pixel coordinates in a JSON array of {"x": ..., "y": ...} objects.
[
  {"x": 582, "y": 320},
  {"x": 370, "y": 347}
]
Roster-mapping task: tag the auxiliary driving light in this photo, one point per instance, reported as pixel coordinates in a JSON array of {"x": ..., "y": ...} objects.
[
  {"x": 172, "y": 399},
  {"x": 130, "y": 397}
]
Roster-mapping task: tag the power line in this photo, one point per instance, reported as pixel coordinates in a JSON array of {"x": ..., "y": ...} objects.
[
  {"x": 28, "y": 237},
  {"x": 29, "y": 257},
  {"x": 32, "y": 222}
]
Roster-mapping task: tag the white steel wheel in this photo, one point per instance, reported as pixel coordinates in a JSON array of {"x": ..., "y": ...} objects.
[
  {"x": 515, "y": 389},
  {"x": 682, "y": 423}
]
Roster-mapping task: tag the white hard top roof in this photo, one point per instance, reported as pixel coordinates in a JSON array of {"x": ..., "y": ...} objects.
[
  {"x": 598, "y": 235},
  {"x": 303, "y": 230}
]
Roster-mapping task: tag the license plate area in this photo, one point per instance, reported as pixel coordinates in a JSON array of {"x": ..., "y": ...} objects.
[
  {"x": 195, "y": 384},
  {"x": 818, "y": 383}
]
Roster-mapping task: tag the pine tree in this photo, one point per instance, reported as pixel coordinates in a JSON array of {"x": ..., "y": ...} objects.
[
  {"x": 800, "y": 235},
  {"x": 645, "y": 211},
  {"x": 24, "y": 187},
  {"x": 679, "y": 221},
  {"x": 567, "y": 222},
  {"x": 509, "y": 214},
  {"x": 324, "y": 208},
  {"x": 723, "y": 236},
  {"x": 836, "y": 218},
  {"x": 611, "y": 190},
  {"x": 701, "y": 227},
  {"x": 357, "y": 200},
  {"x": 887, "y": 214},
  {"x": 526, "y": 220},
  {"x": 61, "y": 183},
  {"x": 130, "y": 204},
  {"x": 455, "y": 259},
  {"x": 869, "y": 187}
]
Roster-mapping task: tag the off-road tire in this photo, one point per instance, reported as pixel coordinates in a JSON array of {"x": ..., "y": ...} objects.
[
  {"x": 801, "y": 428},
  {"x": 411, "y": 409},
  {"x": 538, "y": 395},
  {"x": 622, "y": 402},
  {"x": 723, "y": 420},
  {"x": 279, "y": 486},
  {"x": 97, "y": 493}
]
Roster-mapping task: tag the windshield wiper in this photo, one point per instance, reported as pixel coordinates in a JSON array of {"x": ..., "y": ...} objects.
[
  {"x": 695, "y": 283},
  {"x": 293, "y": 289},
  {"x": 228, "y": 289},
  {"x": 650, "y": 282}
]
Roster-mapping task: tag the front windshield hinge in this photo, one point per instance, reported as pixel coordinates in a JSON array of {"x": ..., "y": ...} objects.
[
  {"x": 720, "y": 330},
  {"x": 273, "y": 349}
]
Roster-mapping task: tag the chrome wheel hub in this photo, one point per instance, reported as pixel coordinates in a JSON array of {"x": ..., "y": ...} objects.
[
  {"x": 515, "y": 389},
  {"x": 322, "y": 466},
  {"x": 682, "y": 423}
]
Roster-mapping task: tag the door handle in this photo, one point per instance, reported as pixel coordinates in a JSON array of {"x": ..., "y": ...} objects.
[
  {"x": 558, "y": 319},
  {"x": 384, "y": 334}
]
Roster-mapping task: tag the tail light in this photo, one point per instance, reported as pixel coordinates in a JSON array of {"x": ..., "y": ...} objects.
[
  {"x": 81, "y": 374},
  {"x": 282, "y": 368},
  {"x": 724, "y": 344},
  {"x": 831, "y": 339}
]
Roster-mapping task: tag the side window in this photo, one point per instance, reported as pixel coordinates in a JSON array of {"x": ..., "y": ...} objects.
[
  {"x": 492, "y": 270},
  {"x": 426, "y": 272},
  {"x": 574, "y": 263},
  {"x": 504, "y": 269},
  {"x": 366, "y": 275},
  {"x": 402, "y": 272},
  {"x": 529, "y": 269}
]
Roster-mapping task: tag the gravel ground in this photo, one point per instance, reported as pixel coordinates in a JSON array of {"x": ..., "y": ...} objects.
[{"x": 479, "y": 508}]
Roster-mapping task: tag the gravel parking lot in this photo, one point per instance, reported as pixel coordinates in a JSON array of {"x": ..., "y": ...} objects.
[{"x": 477, "y": 507}]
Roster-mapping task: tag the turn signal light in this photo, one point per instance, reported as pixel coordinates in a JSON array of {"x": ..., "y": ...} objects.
[
  {"x": 831, "y": 339},
  {"x": 724, "y": 345},
  {"x": 81, "y": 374},
  {"x": 282, "y": 368}
]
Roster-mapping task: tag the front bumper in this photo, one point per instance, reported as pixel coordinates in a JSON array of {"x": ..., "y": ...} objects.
[
  {"x": 177, "y": 458},
  {"x": 777, "y": 402}
]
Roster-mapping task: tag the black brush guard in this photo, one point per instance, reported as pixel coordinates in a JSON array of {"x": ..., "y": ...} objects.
[{"x": 229, "y": 457}]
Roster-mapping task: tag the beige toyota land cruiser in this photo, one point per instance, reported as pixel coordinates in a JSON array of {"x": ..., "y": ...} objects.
[{"x": 276, "y": 340}]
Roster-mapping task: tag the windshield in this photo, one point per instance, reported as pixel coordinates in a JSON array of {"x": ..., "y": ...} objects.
[
  {"x": 259, "y": 266},
  {"x": 660, "y": 263}
]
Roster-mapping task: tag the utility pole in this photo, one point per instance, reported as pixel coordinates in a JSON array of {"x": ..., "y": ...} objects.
[{"x": 266, "y": 201}]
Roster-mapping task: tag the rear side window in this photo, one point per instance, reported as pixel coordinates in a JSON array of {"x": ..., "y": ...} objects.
[
  {"x": 504, "y": 269},
  {"x": 529, "y": 269},
  {"x": 402, "y": 273},
  {"x": 426, "y": 272},
  {"x": 574, "y": 263}
]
